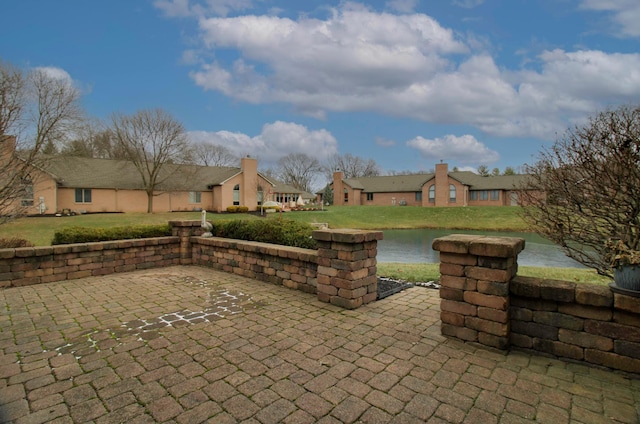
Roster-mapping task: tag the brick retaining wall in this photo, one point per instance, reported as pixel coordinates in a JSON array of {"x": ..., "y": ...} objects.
[
  {"x": 45, "y": 264},
  {"x": 483, "y": 301},
  {"x": 352, "y": 252},
  {"x": 282, "y": 265}
]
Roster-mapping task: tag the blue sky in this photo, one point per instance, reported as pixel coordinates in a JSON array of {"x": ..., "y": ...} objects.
[{"x": 404, "y": 82}]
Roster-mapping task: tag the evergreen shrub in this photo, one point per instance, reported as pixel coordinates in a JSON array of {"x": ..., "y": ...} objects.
[
  {"x": 275, "y": 231},
  {"x": 86, "y": 235}
]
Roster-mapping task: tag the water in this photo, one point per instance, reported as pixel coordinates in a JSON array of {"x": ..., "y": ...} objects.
[{"x": 414, "y": 246}]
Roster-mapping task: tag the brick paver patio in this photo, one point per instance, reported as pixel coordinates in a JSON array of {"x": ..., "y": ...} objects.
[{"x": 191, "y": 345}]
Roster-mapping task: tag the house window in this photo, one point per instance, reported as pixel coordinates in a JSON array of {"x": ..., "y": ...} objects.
[
  {"x": 473, "y": 195},
  {"x": 236, "y": 195},
  {"x": 369, "y": 196},
  {"x": 27, "y": 193},
  {"x": 83, "y": 195},
  {"x": 346, "y": 196},
  {"x": 260, "y": 196},
  {"x": 418, "y": 196},
  {"x": 432, "y": 193},
  {"x": 495, "y": 194},
  {"x": 484, "y": 195},
  {"x": 452, "y": 193},
  {"x": 195, "y": 197}
]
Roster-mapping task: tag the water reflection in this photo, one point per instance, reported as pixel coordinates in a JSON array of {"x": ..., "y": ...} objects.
[{"x": 414, "y": 246}]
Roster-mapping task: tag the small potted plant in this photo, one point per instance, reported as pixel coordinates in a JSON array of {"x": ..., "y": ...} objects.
[{"x": 625, "y": 263}]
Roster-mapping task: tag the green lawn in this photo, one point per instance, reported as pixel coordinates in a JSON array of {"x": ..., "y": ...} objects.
[
  {"x": 491, "y": 218},
  {"x": 430, "y": 272},
  {"x": 40, "y": 230}
]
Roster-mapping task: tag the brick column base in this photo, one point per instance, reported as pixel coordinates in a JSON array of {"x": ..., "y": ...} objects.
[
  {"x": 474, "y": 286},
  {"x": 347, "y": 266},
  {"x": 184, "y": 230}
]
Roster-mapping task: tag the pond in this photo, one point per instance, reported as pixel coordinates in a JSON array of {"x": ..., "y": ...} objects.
[{"x": 414, "y": 246}]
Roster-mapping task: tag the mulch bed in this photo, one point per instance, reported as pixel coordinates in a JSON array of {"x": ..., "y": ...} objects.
[{"x": 389, "y": 286}]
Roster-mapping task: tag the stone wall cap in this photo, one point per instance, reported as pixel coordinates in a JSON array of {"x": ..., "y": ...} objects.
[
  {"x": 185, "y": 223},
  {"x": 347, "y": 235},
  {"x": 503, "y": 247}
]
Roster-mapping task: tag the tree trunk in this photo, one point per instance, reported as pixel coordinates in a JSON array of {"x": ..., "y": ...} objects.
[{"x": 150, "y": 201}]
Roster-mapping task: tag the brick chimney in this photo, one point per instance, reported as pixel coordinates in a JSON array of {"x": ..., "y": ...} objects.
[
  {"x": 7, "y": 148},
  {"x": 442, "y": 184},
  {"x": 249, "y": 186},
  {"x": 338, "y": 188}
]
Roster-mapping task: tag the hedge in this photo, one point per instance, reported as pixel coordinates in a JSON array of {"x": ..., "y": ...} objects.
[
  {"x": 86, "y": 235},
  {"x": 277, "y": 231}
]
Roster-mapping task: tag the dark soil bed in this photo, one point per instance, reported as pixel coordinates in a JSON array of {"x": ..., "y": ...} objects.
[{"x": 388, "y": 286}]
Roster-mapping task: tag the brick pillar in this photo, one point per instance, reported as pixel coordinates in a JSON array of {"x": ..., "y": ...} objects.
[
  {"x": 184, "y": 230},
  {"x": 474, "y": 286},
  {"x": 347, "y": 266}
]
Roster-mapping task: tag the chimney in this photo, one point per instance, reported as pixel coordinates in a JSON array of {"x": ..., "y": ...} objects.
[
  {"x": 442, "y": 184},
  {"x": 338, "y": 189},
  {"x": 7, "y": 148},
  {"x": 249, "y": 186}
]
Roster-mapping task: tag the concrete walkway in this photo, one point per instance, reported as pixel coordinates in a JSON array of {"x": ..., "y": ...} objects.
[{"x": 191, "y": 345}]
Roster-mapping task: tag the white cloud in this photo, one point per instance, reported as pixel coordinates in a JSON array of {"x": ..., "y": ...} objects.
[
  {"x": 625, "y": 15},
  {"x": 174, "y": 8},
  {"x": 465, "y": 149},
  {"x": 409, "y": 66},
  {"x": 276, "y": 140},
  {"x": 55, "y": 73},
  {"x": 402, "y": 6},
  {"x": 383, "y": 142},
  {"x": 468, "y": 4},
  {"x": 185, "y": 8}
]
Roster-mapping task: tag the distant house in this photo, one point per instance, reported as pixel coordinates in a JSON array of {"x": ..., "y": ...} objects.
[
  {"x": 84, "y": 185},
  {"x": 442, "y": 188}
]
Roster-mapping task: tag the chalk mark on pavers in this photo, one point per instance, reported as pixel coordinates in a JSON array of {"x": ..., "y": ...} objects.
[{"x": 220, "y": 303}]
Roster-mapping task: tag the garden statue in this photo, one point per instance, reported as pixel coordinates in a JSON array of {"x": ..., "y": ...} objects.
[{"x": 207, "y": 226}]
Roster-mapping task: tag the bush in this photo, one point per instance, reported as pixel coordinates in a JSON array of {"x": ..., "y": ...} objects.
[
  {"x": 12, "y": 243},
  {"x": 86, "y": 235},
  {"x": 243, "y": 209},
  {"x": 232, "y": 209},
  {"x": 283, "y": 232}
]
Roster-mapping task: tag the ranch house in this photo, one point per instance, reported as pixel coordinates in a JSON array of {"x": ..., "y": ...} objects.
[{"x": 442, "y": 188}]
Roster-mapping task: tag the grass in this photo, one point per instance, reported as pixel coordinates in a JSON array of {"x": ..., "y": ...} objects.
[
  {"x": 40, "y": 230},
  {"x": 489, "y": 218},
  {"x": 430, "y": 272}
]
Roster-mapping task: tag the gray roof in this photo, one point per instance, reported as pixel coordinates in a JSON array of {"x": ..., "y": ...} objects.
[
  {"x": 415, "y": 182},
  {"x": 389, "y": 184},
  {"x": 498, "y": 182},
  {"x": 71, "y": 171},
  {"x": 80, "y": 172}
]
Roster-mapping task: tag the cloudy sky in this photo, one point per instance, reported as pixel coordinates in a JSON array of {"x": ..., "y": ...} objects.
[{"x": 407, "y": 83}]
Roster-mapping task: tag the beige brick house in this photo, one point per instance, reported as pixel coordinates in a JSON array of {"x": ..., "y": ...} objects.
[
  {"x": 86, "y": 185},
  {"x": 442, "y": 188}
]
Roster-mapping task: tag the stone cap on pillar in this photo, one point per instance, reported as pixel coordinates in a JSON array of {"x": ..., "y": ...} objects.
[
  {"x": 346, "y": 235},
  {"x": 497, "y": 247}
]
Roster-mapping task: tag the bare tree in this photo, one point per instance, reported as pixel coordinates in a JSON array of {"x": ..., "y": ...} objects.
[
  {"x": 585, "y": 189},
  {"x": 37, "y": 110},
  {"x": 352, "y": 166},
  {"x": 208, "y": 154},
  {"x": 151, "y": 140},
  {"x": 299, "y": 170},
  {"x": 93, "y": 140}
]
